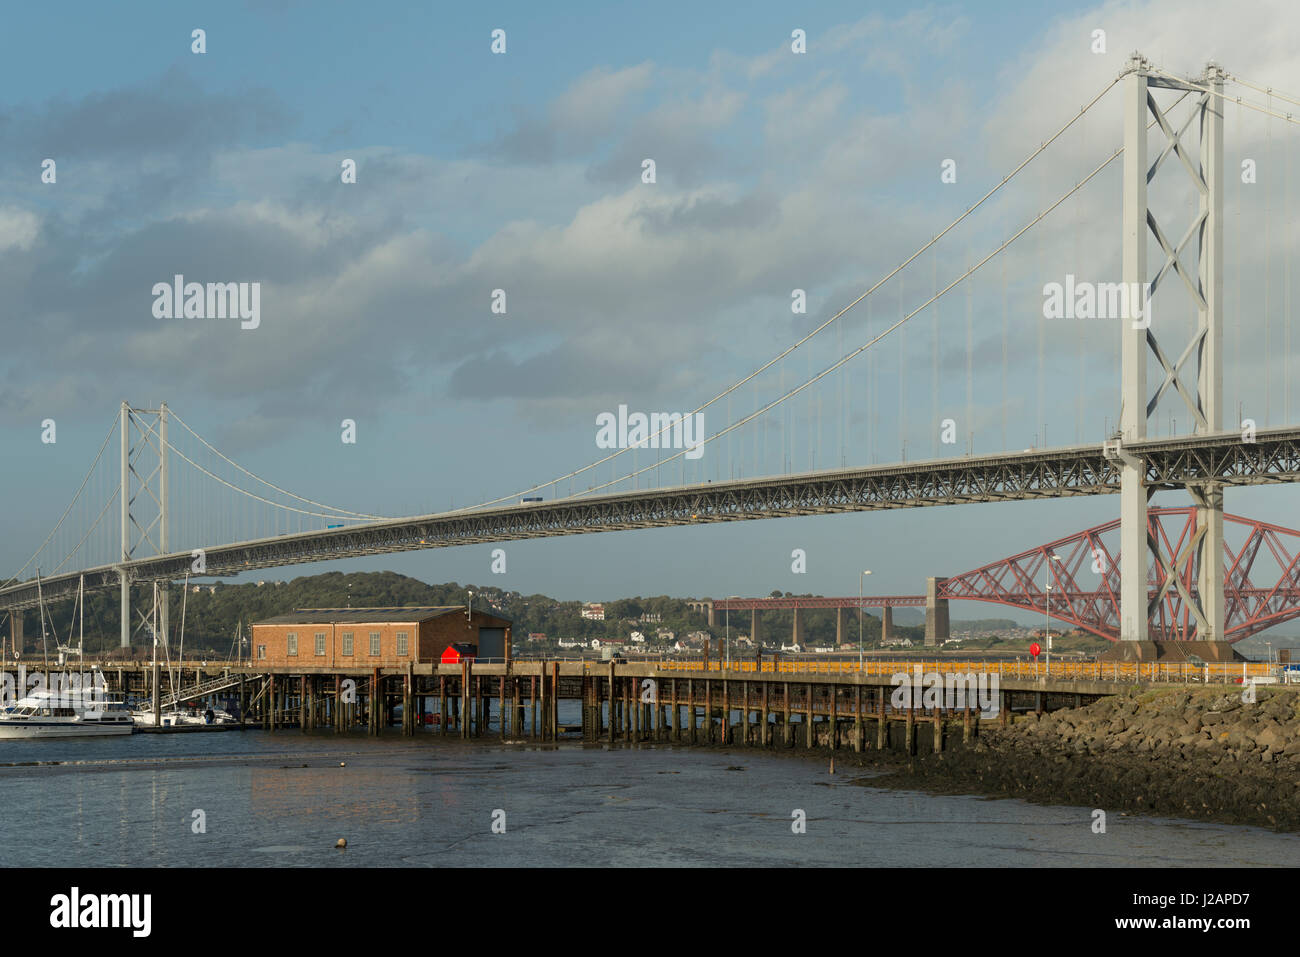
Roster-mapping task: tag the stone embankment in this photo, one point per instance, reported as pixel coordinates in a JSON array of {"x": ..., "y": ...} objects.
[{"x": 1200, "y": 753}]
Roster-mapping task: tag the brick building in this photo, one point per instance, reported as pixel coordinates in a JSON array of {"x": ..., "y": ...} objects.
[{"x": 375, "y": 637}]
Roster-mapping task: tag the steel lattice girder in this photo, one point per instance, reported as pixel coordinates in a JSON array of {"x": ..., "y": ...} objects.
[
  {"x": 1020, "y": 581},
  {"x": 1224, "y": 458}
]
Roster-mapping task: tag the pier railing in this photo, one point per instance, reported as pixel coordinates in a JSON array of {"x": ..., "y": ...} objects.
[{"x": 1179, "y": 673}]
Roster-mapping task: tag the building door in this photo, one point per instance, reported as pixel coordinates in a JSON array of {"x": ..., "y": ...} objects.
[{"x": 491, "y": 643}]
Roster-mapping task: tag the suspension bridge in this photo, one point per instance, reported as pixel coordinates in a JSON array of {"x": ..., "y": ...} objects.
[{"x": 122, "y": 526}]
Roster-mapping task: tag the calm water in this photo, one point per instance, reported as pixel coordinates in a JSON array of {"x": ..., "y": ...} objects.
[{"x": 283, "y": 800}]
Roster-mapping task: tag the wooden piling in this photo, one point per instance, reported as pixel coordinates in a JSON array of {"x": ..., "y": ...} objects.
[
  {"x": 466, "y": 672},
  {"x": 613, "y": 715},
  {"x": 787, "y": 732},
  {"x": 708, "y": 710},
  {"x": 675, "y": 727},
  {"x": 532, "y": 697},
  {"x": 516, "y": 712},
  {"x": 690, "y": 708},
  {"x": 835, "y": 717},
  {"x": 809, "y": 738},
  {"x": 442, "y": 703},
  {"x": 554, "y": 714},
  {"x": 744, "y": 714},
  {"x": 501, "y": 703},
  {"x": 408, "y": 711},
  {"x": 857, "y": 715}
]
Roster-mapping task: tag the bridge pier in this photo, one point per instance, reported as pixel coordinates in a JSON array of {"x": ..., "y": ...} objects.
[
  {"x": 840, "y": 615},
  {"x": 886, "y": 624},
  {"x": 936, "y": 614},
  {"x": 753, "y": 629}
]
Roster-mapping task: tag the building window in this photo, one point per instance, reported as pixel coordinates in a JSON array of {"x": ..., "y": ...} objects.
[
  {"x": 374, "y": 643},
  {"x": 261, "y": 651},
  {"x": 292, "y": 639},
  {"x": 320, "y": 642},
  {"x": 347, "y": 643},
  {"x": 401, "y": 643}
]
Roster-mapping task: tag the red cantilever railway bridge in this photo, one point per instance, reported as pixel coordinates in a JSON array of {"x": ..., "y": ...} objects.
[{"x": 1261, "y": 580}]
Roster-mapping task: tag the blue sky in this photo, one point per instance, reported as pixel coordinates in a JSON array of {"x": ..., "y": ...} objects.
[{"x": 775, "y": 171}]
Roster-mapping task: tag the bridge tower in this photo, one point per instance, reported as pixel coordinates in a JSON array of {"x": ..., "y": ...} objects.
[
  {"x": 1156, "y": 335},
  {"x": 143, "y": 501}
]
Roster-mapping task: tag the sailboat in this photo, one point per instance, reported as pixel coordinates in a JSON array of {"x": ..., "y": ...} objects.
[
  {"x": 63, "y": 711},
  {"x": 175, "y": 716}
]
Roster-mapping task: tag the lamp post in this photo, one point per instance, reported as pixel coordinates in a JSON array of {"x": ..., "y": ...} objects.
[
  {"x": 469, "y": 609},
  {"x": 1047, "y": 611},
  {"x": 861, "y": 579}
]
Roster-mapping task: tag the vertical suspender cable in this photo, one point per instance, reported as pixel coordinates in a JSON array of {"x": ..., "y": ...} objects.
[
  {"x": 902, "y": 405},
  {"x": 1286, "y": 278},
  {"x": 934, "y": 358},
  {"x": 1004, "y": 353},
  {"x": 1268, "y": 262},
  {"x": 970, "y": 346},
  {"x": 1237, "y": 317},
  {"x": 870, "y": 433}
]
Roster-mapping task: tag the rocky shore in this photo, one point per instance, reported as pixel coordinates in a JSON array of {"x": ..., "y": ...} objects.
[{"x": 1204, "y": 754}]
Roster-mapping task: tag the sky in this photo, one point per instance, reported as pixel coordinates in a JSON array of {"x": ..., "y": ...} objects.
[{"x": 523, "y": 171}]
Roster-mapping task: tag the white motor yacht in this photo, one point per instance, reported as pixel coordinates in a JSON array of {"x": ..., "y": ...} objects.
[{"x": 61, "y": 714}]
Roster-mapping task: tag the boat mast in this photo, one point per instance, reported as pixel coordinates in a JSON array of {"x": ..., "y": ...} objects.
[
  {"x": 40, "y": 601},
  {"x": 181, "y": 662}
]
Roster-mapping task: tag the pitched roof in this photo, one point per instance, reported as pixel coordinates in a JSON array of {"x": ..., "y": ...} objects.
[{"x": 366, "y": 616}]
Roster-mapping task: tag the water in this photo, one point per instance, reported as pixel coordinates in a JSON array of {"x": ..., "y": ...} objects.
[{"x": 283, "y": 800}]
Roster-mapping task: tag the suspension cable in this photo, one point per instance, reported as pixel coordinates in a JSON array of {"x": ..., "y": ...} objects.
[
  {"x": 89, "y": 472},
  {"x": 338, "y": 511},
  {"x": 895, "y": 271},
  {"x": 863, "y": 348}
]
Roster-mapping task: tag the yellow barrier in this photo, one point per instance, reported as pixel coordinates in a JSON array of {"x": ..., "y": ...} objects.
[{"x": 1218, "y": 672}]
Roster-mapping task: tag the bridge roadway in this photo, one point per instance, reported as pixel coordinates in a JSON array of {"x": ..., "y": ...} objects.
[{"x": 1220, "y": 458}]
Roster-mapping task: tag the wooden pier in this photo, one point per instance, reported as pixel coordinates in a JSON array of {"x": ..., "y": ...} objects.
[{"x": 622, "y": 702}]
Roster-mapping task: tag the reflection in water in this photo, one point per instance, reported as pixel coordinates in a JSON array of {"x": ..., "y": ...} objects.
[
  {"x": 334, "y": 793},
  {"x": 275, "y": 800}
]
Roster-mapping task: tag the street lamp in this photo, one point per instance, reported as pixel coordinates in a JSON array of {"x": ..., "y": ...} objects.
[
  {"x": 469, "y": 609},
  {"x": 861, "y": 578},
  {"x": 1047, "y": 611}
]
